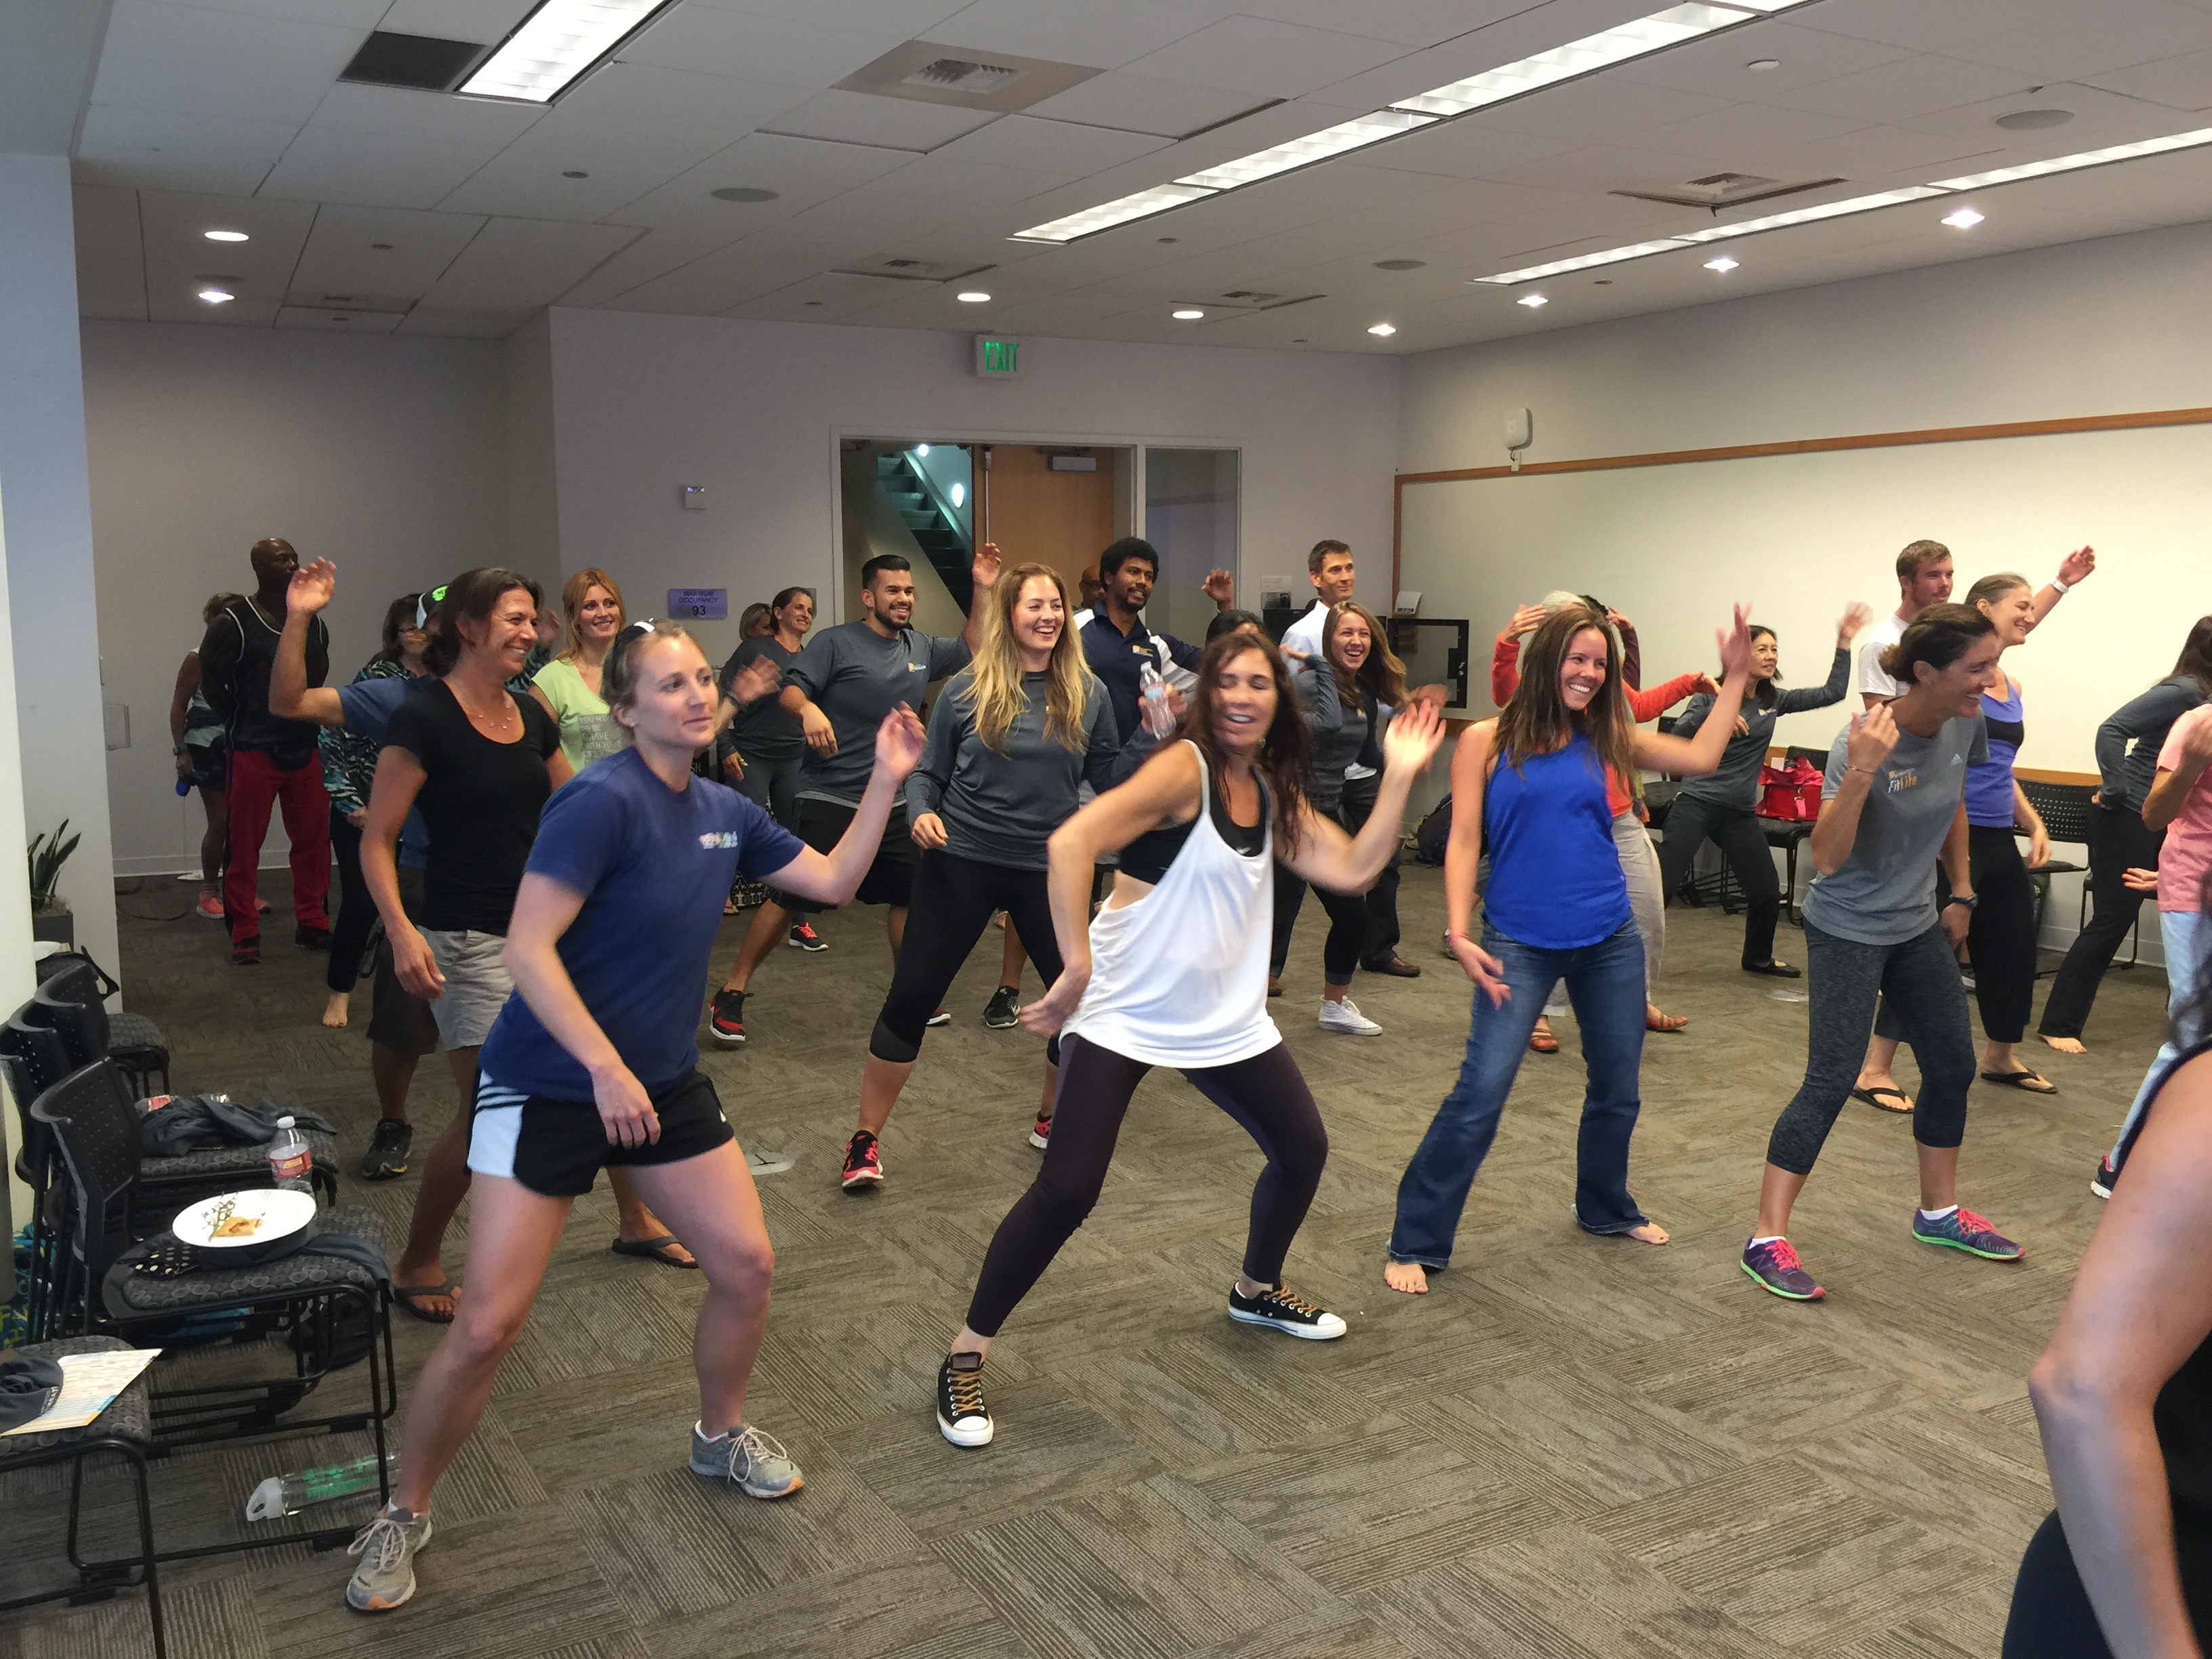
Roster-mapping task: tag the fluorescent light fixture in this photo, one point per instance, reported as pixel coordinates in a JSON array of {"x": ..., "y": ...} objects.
[
  {"x": 1635, "y": 39},
  {"x": 1304, "y": 152},
  {"x": 1383, "y": 328},
  {"x": 1532, "y": 301},
  {"x": 1105, "y": 217},
  {"x": 556, "y": 43},
  {"x": 973, "y": 296},
  {"x": 1724, "y": 264},
  {"x": 217, "y": 296},
  {"x": 225, "y": 236},
  {"x": 1585, "y": 261},
  {"x": 1963, "y": 219},
  {"x": 1813, "y": 215},
  {"x": 2087, "y": 158},
  {"x": 1187, "y": 314}
]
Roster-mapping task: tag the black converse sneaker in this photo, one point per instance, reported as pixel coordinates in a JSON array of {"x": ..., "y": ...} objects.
[
  {"x": 1280, "y": 1310},
  {"x": 962, "y": 1416}
]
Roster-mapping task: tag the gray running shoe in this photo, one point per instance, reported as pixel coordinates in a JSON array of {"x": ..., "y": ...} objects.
[
  {"x": 387, "y": 1547},
  {"x": 757, "y": 1465}
]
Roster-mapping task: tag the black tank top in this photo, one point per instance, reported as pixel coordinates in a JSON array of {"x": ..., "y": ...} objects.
[{"x": 1146, "y": 859}]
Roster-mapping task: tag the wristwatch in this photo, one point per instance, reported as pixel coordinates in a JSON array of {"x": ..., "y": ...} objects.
[{"x": 1970, "y": 900}]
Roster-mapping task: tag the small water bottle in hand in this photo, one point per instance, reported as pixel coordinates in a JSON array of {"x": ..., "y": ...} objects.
[
  {"x": 1152, "y": 690},
  {"x": 291, "y": 1160}
]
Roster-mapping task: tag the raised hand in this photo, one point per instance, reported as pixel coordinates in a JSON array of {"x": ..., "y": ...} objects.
[
  {"x": 1487, "y": 972},
  {"x": 928, "y": 831},
  {"x": 754, "y": 681},
  {"x": 1856, "y": 615},
  {"x": 1219, "y": 587},
  {"x": 1527, "y": 619},
  {"x": 1874, "y": 734},
  {"x": 1735, "y": 644},
  {"x": 1413, "y": 738},
  {"x": 1706, "y": 684},
  {"x": 1619, "y": 620},
  {"x": 898, "y": 743},
  {"x": 984, "y": 570},
  {"x": 2077, "y": 566},
  {"x": 312, "y": 584}
]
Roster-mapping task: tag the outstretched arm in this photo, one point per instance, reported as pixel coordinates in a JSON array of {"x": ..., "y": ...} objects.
[
  {"x": 289, "y": 695},
  {"x": 834, "y": 877},
  {"x": 1349, "y": 864},
  {"x": 983, "y": 575},
  {"x": 2074, "y": 569},
  {"x": 1696, "y": 756}
]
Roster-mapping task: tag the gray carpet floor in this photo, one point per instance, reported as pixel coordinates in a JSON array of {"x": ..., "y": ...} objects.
[{"x": 1572, "y": 1447}]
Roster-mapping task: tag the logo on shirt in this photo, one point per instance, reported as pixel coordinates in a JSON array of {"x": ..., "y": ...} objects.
[
  {"x": 1907, "y": 779},
  {"x": 715, "y": 838}
]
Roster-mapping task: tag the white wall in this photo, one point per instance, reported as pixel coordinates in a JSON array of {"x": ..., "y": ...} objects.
[
  {"x": 645, "y": 405},
  {"x": 387, "y": 455}
]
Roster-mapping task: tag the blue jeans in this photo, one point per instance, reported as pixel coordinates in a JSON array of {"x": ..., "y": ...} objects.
[
  {"x": 2183, "y": 934},
  {"x": 1605, "y": 982}
]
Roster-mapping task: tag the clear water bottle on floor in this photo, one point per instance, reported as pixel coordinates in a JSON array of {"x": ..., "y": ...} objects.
[
  {"x": 291, "y": 1160},
  {"x": 280, "y": 1495}
]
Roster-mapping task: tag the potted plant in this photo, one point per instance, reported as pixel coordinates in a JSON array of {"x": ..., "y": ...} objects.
[{"x": 50, "y": 914}]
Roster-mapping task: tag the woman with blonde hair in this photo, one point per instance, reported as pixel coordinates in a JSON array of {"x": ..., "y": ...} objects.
[
  {"x": 1013, "y": 737},
  {"x": 567, "y": 688}
]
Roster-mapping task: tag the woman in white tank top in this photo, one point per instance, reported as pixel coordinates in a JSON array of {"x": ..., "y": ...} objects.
[{"x": 1174, "y": 972}]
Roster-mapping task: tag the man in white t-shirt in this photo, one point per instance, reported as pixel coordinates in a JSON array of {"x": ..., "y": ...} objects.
[
  {"x": 1330, "y": 569},
  {"x": 1923, "y": 578}
]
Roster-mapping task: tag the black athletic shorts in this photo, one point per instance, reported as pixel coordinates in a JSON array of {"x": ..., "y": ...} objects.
[
  {"x": 556, "y": 1148},
  {"x": 822, "y": 825},
  {"x": 397, "y": 1018}
]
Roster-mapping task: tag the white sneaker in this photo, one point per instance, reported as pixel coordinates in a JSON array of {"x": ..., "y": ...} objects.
[{"x": 1345, "y": 1017}]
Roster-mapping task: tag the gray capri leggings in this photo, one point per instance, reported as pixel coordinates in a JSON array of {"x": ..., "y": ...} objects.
[{"x": 1918, "y": 979}]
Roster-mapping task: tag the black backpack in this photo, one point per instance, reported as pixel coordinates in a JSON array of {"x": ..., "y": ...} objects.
[{"x": 1433, "y": 831}]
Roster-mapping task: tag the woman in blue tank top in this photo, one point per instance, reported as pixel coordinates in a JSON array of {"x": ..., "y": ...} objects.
[{"x": 1529, "y": 788}]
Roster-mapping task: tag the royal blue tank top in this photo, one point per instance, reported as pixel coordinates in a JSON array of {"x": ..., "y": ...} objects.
[
  {"x": 1990, "y": 804},
  {"x": 1555, "y": 879}
]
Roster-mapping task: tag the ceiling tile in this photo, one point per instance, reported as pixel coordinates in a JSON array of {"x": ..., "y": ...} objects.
[
  {"x": 2056, "y": 40},
  {"x": 649, "y": 93},
  {"x": 341, "y": 255},
  {"x": 111, "y": 256},
  {"x": 2100, "y": 119},
  {"x": 181, "y": 261},
  {"x": 339, "y": 320},
  {"x": 1746, "y": 136},
  {"x": 1901, "y": 91},
  {"x": 861, "y": 118},
  {"x": 823, "y": 298},
  {"x": 1464, "y": 150},
  {"x": 654, "y": 254},
  {"x": 1537, "y": 29},
  {"x": 1266, "y": 59},
  {"x": 483, "y": 21},
  {"x": 361, "y": 15},
  {"x": 439, "y": 322},
  {"x": 711, "y": 285},
  {"x": 620, "y": 161},
  {"x": 323, "y": 165},
  {"x": 1408, "y": 22},
  {"x": 2183, "y": 84},
  {"x": 1602, "y": 167},
  {"x": 1717, "y": 65},
  {"x": 197, "y": 61},
  {"x": 1884, "y": 152},
  {"x": 428, "y": 117},
  {"x": 1059, "y": 150},
  {"x": 165, "y": 305},
  {"x": 1600, "y": 109},
  {"x": 801, "y": 170},
  {"x": 523, "y": 262},
  {"x": 816, "y": 52},
  {"x": 1141, "y": 103},
  {"x": 1076, "y": 31},
  {"x": 162, "y": 150},
  {"x": 1910, "y": 23}
]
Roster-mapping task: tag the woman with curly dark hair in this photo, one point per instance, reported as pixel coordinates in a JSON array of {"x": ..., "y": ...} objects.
[{"x": 1174, "y": 972}]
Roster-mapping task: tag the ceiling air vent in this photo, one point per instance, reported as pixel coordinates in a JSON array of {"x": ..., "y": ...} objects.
[
  {"x": 1248, "y": 299},
  {"x": 1720, "y": 190},
  {"x": 387, "y": 59},
  {"x": 939, "y": 73},
  {"x": 960, "y": 74},
  {"x": 908, "y": 270}
]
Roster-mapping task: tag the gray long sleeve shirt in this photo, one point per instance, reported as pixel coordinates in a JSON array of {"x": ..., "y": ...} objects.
[
  {"x": 1002, "y": 809},
  {"x": 1344, "y": 734},
  {"x": 2128, "y": 743},
  {"x": 856, "y": 676},
  {"x": 1736, "y": 781}
]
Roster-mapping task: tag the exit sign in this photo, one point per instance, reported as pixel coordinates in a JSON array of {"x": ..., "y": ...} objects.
[{"x": 998, "y": 359}]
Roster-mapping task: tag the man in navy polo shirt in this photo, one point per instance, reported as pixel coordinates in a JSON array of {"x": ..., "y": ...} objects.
[{"x": 1117, "y": 642}]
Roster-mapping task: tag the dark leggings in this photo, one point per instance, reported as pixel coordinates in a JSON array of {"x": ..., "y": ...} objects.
[
  {"x": 2117, "y": 838},
  {"x": 1265, "y": 1095},
  {"x": 1382, "y": 900},
  {"x": 1694, "y": 820},
  {"x": 2000, "y": 937},
  {"x": 1348, "y": 925},
  {"x": 954, "y": 899},
  {"x": 1920, "y": 980},
  {"x": 356, "y": 909}
]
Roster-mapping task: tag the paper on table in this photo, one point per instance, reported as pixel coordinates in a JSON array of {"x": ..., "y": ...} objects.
[{"x": 90, "y": 1383}]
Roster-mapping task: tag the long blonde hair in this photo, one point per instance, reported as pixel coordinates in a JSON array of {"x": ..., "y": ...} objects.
[
  {"x": 572, "y": 604},
  {"x": 994, "y": 694}
]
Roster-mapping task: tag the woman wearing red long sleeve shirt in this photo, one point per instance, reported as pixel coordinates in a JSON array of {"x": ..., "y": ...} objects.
[{"x": 1639, "y": 860}]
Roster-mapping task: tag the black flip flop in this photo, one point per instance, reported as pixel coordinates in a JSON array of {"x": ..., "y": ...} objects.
[
  {"x": 1872, "y": 1098},
  {"x": 652, "y": 1249},
  {"x": 408, "y": 1296},
  {"x": 2023, "y": 1081}
]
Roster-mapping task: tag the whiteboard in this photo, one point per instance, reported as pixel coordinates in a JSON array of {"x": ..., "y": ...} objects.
[{"x": 1798, "y": 535}]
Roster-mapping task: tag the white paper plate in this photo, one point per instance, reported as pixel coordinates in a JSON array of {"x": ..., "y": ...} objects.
[{"x": 281, "y": 1210}]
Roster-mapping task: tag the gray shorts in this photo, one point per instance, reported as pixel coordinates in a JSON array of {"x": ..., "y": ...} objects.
[{"x": 476, "y": 985}]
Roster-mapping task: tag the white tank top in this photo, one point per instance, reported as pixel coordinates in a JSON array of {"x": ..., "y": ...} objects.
[{"x": 1180, "y": 977}]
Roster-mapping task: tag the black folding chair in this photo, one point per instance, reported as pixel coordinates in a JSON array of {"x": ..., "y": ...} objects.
[
  {"x": 2065, "y": 809},
  {"x": 35, "y": 1061},
  {"x": 134, "y": 1042}
]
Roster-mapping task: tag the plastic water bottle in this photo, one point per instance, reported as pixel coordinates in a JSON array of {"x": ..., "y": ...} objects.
[
  {"x": 291, "y": 1160},
  {"x": 280, "y": 1495},
  {"x": 1159, "y": 719}
]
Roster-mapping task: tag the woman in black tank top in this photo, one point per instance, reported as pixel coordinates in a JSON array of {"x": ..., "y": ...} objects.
[{"x": 2124, "y": 1396}]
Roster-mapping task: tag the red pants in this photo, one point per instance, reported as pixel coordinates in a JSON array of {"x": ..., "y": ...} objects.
[{"x": 257, "y": 782}]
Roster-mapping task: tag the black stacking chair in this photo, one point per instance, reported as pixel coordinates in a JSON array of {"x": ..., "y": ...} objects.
[
  {"x": 35, "y": 1061},
  {"x": 134, "y": 1042},
  {"x": 314, "y": 1304},
  {"x": 124, "y": 1429},
  {"x": 2065, "y": 809}
]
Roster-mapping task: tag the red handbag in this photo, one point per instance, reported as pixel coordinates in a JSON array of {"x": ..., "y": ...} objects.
[{"x": 1790, "y": 794}]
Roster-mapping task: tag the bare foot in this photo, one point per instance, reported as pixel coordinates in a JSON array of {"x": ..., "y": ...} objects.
[
  {"x": 334, "y": 1010},
  {"x": 1649, "y": 1232},
  {"x": 1409, "y": 1277},
  {"x": 2066, "y": 1045}
]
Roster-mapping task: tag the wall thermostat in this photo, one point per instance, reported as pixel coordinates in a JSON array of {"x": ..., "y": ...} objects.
[{"x": 695, "y": 498}]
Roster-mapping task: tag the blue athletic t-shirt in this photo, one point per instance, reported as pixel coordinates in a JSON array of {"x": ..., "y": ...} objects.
[{"x": 654, "y": 866}]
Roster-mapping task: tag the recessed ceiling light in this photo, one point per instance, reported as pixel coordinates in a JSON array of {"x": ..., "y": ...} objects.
[
  {"x": 1724, "y": 264},
  {"x": 1383, "y": 328},
  {"x": 1399, "y": 265},
  {"x": 1532, "y": 301},
  {"x": 225, "y": 236},
  {"x": 1764, "y": 64},
  {"x": 1963, "y": 219},
  {"x": 1187, "y": 314},
  {"x": 576, "y": 173},
  {"x": 557, "y": 42},
  {"x": 217, "y": 296},
  {"x": 973, "y": 296},
  {"x": 742, "y": 193},
  {"x": 2034, "y": 120}
]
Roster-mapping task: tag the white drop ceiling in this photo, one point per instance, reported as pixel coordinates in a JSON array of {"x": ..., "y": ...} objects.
[{"x": 426, "y": 213}]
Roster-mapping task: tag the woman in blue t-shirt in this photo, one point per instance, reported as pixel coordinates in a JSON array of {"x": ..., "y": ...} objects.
[
  {"x": 1530, "y": 789},
  {"x": 592, "y": 1063}
]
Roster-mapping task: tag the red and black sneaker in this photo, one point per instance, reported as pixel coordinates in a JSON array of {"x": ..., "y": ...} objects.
[
  {"x": 1041, "y": 1132},
  {"x": 803, "y": 937},
  {"x": 864, "y": 1162},
  {"x": 728, "y": 1020},
  {"x": 245, "y": 952}
]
